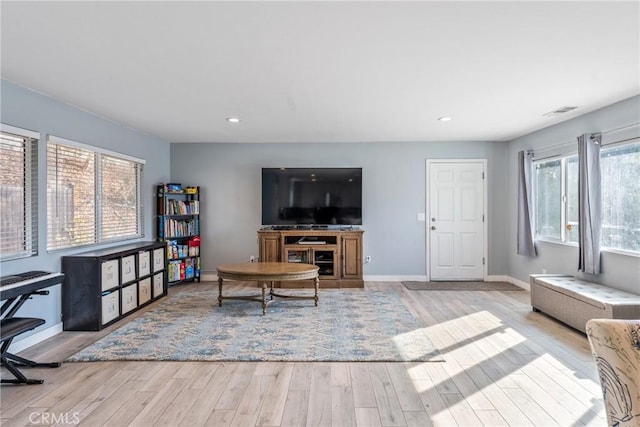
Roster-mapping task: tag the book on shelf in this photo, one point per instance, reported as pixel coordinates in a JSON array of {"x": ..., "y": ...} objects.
[
  {"x": 176, "y": 250},
  {"x": 175, "y": 271},
  {"x": 181, "y": 207},
  {"x": 188, "y": 268},
  {"x": 181, "y": 228}
]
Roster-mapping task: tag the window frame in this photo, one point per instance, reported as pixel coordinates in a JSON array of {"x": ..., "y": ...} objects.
[
  {"x": 564, "y": 157},
  {"x": 98, "y": 233},
  {"x": 563, "y": 199},
  {"x": 616, "y": 145},
  {"x": 30, "y": 192}
]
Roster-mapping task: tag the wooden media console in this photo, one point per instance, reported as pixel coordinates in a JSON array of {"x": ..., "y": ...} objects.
[{"x": 337, "y": 253}]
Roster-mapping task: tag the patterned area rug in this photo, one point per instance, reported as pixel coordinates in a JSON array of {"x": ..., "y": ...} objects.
[
  {"x": 461, "y": 286},
  {"x": 347, "y": 325}
]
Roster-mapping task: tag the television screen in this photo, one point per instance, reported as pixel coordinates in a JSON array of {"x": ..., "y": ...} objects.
[{"x": 312, "y": 196}]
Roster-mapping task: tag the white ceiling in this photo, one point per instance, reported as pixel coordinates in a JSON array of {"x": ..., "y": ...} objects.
[{"x": 326, "y": 71}]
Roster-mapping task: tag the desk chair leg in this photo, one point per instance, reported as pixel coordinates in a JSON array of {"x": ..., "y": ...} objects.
[
  {"x": 26, "y": 363},
  {"x": 20, "y": 378},
  {"x": 13, "y": 327}
]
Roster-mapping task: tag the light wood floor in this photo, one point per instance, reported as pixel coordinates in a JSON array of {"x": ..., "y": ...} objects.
[{"x": 505, "y": 365}]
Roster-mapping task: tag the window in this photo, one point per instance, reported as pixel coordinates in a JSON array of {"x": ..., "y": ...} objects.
[
  {"x": 92, "y": 196},
  {"x": 620, "y": 169},
  {"x": 18, "y": 193},
  {"x": 571, "y": 228},
  {"x": 556, "y": 192},
  {"x": 549, "y": 199},
  {"x": 120, "y": 194}
]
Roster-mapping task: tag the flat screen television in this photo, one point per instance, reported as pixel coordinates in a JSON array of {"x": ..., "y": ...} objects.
[{"x": 311, "y": 196}]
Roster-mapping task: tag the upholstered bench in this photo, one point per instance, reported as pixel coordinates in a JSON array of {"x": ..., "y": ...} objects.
[{"x": 575, "y": 301}]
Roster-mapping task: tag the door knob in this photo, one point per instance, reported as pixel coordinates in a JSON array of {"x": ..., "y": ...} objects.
[{"x": 433, "y": 227}]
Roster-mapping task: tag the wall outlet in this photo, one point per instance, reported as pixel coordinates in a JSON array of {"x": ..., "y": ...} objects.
[
  {"x": 367, "y": 259},
  {"x": 252, "y": 258},
  {"x": 544, "y": 271}
]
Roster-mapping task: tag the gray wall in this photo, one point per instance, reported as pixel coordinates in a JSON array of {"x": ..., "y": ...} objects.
[
  {"x": 393, "y": 191},
  {"x": 33, "y": 111},
  {"x": 618, "y": 270},
  {"x": 393, "y": 194}
]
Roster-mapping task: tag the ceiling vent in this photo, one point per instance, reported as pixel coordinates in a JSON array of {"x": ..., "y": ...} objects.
[{"x": 559, "y": 111}]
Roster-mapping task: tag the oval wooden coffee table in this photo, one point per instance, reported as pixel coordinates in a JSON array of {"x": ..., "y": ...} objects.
[{"x": 265, "y": 273}]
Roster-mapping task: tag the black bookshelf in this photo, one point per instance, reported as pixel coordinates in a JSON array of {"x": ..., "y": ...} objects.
[{"x": 178, "y": 226}]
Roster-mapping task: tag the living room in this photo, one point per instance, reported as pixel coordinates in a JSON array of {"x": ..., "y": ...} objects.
[{"x": 227, "y": 166}]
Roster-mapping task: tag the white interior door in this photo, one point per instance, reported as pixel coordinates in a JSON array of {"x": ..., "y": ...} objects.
[{"x": 456, "y": 229}]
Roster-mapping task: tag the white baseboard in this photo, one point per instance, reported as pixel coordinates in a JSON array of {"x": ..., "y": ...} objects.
[
  {"x": 508, "y": 279},
  {"x": 518, "y": 283},
  {"x": 497, "y": 278},
  {"x": 214, "y": 278},
  {"x": 23, "y": 344},
  {"x": 492, "y": 278},
  {"x": 417, "y": 278},
  {"x": 381, "y": 278}
]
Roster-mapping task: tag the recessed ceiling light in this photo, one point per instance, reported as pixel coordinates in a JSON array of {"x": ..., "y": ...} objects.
[
  {"x": 233, "y": 120},
  {"x": 444, "y": 118}
]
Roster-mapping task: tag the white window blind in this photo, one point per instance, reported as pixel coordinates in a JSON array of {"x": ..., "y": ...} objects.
[
  {"x": 70, "y": 197},
  {"x": 92, "y": 197},
  {"x": 120, "y": 193},
  {"x": 18, "y": 194}
]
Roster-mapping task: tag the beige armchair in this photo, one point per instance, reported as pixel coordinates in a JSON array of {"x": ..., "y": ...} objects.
[{"x": 615, "y": 345}]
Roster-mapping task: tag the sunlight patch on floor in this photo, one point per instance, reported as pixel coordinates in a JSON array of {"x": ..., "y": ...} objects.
[{"x": 486, "y": 365}]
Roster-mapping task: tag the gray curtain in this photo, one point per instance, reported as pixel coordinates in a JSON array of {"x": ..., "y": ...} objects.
[
  {"x": 589, "y": 203},
  {"x": 526, "y": 243}
]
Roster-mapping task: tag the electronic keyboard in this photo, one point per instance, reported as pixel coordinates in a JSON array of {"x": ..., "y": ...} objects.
[{"x": 29, "y": 282}]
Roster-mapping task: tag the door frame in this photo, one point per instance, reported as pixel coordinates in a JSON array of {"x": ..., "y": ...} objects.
[{"x": 485, "y": 223}]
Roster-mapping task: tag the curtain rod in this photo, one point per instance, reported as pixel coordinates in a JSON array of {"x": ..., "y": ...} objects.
[{"x": 562, "y": 144}]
